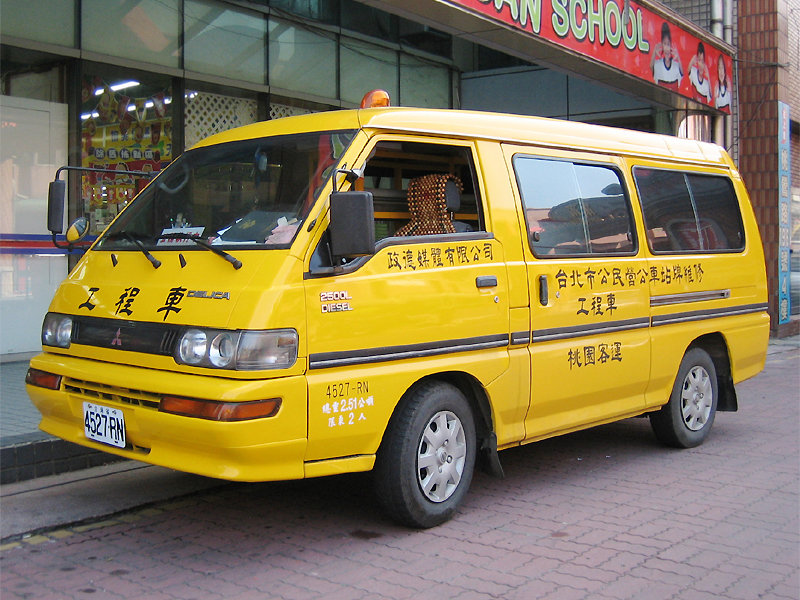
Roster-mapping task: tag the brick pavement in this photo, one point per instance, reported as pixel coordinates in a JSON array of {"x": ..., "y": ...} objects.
[{"x": 603, "y": 514}]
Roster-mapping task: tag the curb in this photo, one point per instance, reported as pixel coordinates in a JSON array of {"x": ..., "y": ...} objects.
[{"x": 33, "y": 455}]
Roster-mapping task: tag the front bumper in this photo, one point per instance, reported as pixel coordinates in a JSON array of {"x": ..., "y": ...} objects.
[{"x": 265, "y": 449}]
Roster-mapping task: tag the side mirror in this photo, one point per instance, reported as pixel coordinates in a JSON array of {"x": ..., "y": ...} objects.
[
  {"x": 55, "y": 206},
  {"x": 77, "y": 230},
  {"x": 352, "y": 225}
]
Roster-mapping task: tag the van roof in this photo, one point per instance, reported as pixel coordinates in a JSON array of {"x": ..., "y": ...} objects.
[{"x": 465, "y": 124}]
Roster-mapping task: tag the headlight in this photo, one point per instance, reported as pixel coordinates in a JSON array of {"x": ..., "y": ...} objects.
[
  {"x": 222, "y": 351},
  {"x": 193, "y": 347},
  {"x": 57, "y": 330},
  {"x": 240, "y": 350}
]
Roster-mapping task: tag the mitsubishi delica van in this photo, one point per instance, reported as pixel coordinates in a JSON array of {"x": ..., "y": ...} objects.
[{"x": 406, "y": 291}]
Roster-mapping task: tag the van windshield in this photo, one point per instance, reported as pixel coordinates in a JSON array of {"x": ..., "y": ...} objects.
[{"x": 245, "y": 194}]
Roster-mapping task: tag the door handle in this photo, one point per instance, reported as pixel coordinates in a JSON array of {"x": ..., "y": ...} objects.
[
  {"x": 543, "y": 293},
  {"x": 485, "y": 281}
]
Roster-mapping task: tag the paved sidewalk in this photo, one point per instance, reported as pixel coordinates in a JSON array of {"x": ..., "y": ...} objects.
[
  {"x": 603, "y": 514},
  {"x": 25, "y": 451},
  {"x": 49, "y": 503}
]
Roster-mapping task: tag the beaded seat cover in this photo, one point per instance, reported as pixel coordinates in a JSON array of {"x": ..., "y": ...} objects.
[{"x": 428, "y": 205}]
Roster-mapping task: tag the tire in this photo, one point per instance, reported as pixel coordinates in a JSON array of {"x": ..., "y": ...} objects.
[
  {"x": 425, "y": 463},
  {"x": 686, "y": 420}
]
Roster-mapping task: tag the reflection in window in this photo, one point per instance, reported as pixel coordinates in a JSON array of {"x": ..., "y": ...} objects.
[
  {"x": 250, "y": 193},
  {"x": 318, "y": 10},
  {"x": 686, "y": 212},
  {"x": 668, "y": 213},
  {"x": 20, "y": 18},
  {"x": 301, "y": 60},
  {"x": 718, "y": 217},
  {"x": 367, "y": 20},
  {"x": 572, "y": 208},
  {"x": 365, "y": 67},
  {"x": 423, "y": 83},
  {"x": 146, "y": 30},
  {"x": 237, "y": 38}
]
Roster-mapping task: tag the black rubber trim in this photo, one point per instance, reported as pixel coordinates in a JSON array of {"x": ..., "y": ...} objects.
[
  {"x": 327, "y": 360},
  {"x": 565, "y": 333},
  {"x": 520, "y": 337},
  {"x": 710, "y": 313}
]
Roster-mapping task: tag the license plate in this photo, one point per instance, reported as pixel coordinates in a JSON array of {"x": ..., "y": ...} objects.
[{"x": 104, "y": 424}]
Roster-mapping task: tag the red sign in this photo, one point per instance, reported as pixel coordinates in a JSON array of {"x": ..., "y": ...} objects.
[{"x": 641, "y": 43}]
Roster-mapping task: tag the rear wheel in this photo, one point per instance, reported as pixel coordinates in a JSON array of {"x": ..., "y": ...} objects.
[
  {"x": 685, "y": 421},
  {"x": 425, "y": 464}
]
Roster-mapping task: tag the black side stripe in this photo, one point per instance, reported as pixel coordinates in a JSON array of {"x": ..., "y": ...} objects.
[
  {"x": 520, "y": 337},
  {"x": 565, "y": 333},
  {"x": 711, "y": 313},
  {"x": 326, "y": 360}
]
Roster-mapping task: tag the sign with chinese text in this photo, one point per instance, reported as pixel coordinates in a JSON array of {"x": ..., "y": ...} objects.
[{"x": 784, "y": 214}]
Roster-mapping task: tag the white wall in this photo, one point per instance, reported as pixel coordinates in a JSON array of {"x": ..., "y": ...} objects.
[{"x": 33, "y": 144}]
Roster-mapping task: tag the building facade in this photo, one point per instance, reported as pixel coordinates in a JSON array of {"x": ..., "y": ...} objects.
[
  {"x": 769, "y": 144},
  {"x": 129, "y": 84}
]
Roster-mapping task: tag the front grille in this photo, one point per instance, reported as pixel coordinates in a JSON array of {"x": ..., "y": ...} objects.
[
  {"x": 118, "y": 334},
  {"x": 92, "y": 391}
]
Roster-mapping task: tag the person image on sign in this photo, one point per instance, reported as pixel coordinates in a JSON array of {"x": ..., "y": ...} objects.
[
  {"x": 722, "y": 90},
  {"x": 698, "y": 73},
  {"x": 665, "y": 62}
]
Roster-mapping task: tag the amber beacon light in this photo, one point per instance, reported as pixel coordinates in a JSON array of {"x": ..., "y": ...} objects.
[{"x": 375, "y": 99}]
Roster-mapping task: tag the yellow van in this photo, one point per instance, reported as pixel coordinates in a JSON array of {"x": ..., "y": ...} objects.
[{"x": 406, "y": 290}]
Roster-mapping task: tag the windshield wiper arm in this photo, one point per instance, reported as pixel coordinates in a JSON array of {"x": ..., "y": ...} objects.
[
  {"x": 237, "y": 264},
  {"x": 135, "y": 241}
]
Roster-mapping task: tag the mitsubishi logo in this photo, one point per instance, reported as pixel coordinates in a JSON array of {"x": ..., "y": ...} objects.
[{"x": 117, "y": 341}]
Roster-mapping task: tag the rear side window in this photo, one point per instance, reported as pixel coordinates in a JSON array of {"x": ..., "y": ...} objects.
[
  {"x": 573, "y": 208},
  {"x": 689, "y": 212}
]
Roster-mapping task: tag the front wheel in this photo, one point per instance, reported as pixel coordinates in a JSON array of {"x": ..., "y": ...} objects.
[
  {"x": 685, "y": 421},
  {"x": 425, "y": 463}
]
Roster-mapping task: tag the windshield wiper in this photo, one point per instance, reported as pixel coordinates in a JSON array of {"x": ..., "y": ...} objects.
[
  {"x": 131, "y": 237},
  {"x": 237, "y": 264}
]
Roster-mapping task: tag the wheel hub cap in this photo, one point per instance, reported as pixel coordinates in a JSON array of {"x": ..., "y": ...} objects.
[
  {"x": 441, "y": 456},
  {"x": 696, "y": 398}
]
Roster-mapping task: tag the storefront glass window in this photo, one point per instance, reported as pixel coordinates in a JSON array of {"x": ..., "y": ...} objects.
[
  {"x": 427, "y": 39},
  {"x": 323, "y": 11},
  {"x": 145, "y": 30},
  {"x": 125, "y": 125},
  {"x": 225, "y": 42},
  {"x": 369, "y": 21},
  {"x": 423, "y": 83},
  {"x": 365, "y": 67},
  {"x": 21, "y": 18},
  {"x": 301, "y": 60}
]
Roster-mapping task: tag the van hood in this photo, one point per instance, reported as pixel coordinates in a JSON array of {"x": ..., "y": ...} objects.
[
  {"x": 194, "y": 288},
  {"x": 125, "y": 310}
]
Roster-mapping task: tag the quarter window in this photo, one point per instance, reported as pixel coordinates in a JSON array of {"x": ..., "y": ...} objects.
[
  {"x": 573, "y": 208},
  {"x": 689, "y": 212}
]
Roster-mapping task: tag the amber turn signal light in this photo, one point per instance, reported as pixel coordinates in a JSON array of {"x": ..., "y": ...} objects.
[
  {"x": 220, "y": 411},
  {"x": 51, "y": 381}
]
